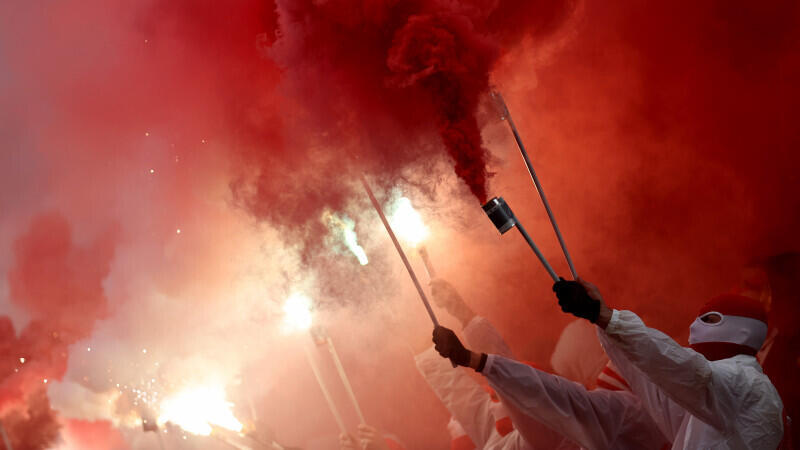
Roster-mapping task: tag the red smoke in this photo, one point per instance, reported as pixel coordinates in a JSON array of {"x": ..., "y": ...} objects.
[
  {"x": 59, "y": 285},
  {"x": 33, "y": 425},
  {"x": 665, "y": 135},
  {"x": 91, "y": 435},
  {"x": 445, "y": 55},
  {"x": 388, "y": 83}
]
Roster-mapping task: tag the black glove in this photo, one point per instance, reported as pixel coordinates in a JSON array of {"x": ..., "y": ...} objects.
[
  {"x": 448, "y": 345},
  {"x": 573, "y": 299}
]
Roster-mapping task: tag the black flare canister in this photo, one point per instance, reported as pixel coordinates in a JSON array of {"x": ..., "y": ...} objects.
[{"x": 500, "y": 214}]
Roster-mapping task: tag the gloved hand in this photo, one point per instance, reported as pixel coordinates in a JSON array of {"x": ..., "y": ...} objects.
[
  {"x": 449, "y": 346},
  {"x": 574, "y": 299}
]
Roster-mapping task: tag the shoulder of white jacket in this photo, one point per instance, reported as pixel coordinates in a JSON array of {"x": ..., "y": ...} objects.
[{"x": 743, "y": 363}]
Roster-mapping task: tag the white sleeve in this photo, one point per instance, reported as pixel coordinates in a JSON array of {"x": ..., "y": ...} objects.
[
  {"x": 482, "y": 337},
  {"x": 682, "y": 374},
  {"x": 592, "y": 419},
  {"x": 466, "y": 400},
  {"x": 666, "y": 414}
]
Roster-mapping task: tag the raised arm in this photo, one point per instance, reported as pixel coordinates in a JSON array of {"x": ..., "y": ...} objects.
[
  {"x": 592, "y": 419},
  {"x": 466, "y": 400},
  {"x": 682, "y": 374}
]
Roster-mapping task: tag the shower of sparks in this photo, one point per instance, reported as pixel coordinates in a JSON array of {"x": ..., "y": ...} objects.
[
  {"x": 297, "y": 313},
  {"x": 196, "y": 410},
  {"x": 406, "y": 222},
  {"x": 344, "y": 229}
]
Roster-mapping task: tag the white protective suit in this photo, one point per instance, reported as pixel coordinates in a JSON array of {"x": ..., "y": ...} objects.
[
  {"x": 471, "y": 405},
  {"x": 699, "y": 404},
  {"x": 596, "y": 419},
  {"x": 578, "y": 355}
]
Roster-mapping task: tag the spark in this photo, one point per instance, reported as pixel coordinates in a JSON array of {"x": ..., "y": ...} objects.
[
  {"x": 152, "y": 170},
  {"x": 297, "y": 312},
  {"x": 178, "y": 231},
  {"x": 45, "y": 381},
  {"x": 144, "y": 350},
  {"x": 22, "y": 360},
  {"x": 407, "y": 223},
  {"x": 196, "y": 410},
  {"x": 147, "y": 133},
  {"x": 88, "y": 349}
]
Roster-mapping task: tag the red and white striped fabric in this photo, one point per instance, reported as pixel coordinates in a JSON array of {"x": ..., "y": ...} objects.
[
  {"x": 393, "y": 442},
  {"x": 459, "y": 440},
  {"x": 502, "y": 418},
  {"x": 611, "y": 380}
]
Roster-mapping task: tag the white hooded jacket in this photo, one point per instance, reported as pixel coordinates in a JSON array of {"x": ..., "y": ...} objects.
[{"x": 697, "y": 403}]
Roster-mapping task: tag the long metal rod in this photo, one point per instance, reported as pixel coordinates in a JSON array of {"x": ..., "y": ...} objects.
[
  {"x": 6, "y": 440},
  {"x": 345, "y": 379},
  {"x": 160, "y": 439},
  {"x": 410, "y": 270},
  {"x": 325, "y": 392},
  {"x": 507, "y": 116},
  {"x": 536, "y": 250}
]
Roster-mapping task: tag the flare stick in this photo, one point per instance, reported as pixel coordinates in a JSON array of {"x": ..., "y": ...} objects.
[
  {"x": 507, "y": 116},
  {"x": 423, "y": 253},
  {"x": 410, "y": 270},
  {"x": 345, "y": 379},
  {"x": 325, "y": 392}
]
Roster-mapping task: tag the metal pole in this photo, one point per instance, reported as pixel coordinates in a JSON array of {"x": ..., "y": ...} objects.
[
  {"x": 410, "y": 270},
  {"x": 507, "y": 116},
  {"x": 6, "y": 440},
  {"x": 160, "y": 439},
  {"x": 536, "y": 250},
  {"x": 345, "y": 379},
  {"x": 325, "y": 392}
]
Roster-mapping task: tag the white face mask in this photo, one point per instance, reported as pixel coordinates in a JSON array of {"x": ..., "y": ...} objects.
[{"x": 716, "y": 327}]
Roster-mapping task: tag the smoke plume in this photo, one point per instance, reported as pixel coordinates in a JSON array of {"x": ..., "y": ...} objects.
[{"x": 193, "y": 150}]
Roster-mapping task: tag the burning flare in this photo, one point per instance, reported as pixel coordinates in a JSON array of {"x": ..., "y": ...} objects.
[
  {"x": 406, "y": 222},
  {"x": 297, "y": 313},
  {"x": 344, "y": 229},
  {"x": 198, "y": 409}
]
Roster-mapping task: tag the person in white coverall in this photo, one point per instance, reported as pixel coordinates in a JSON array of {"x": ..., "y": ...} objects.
[
  {"x": 541, "y": 403},
  {"x": 474, "y": 412},
  {"x": 713, "y": 395}
]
